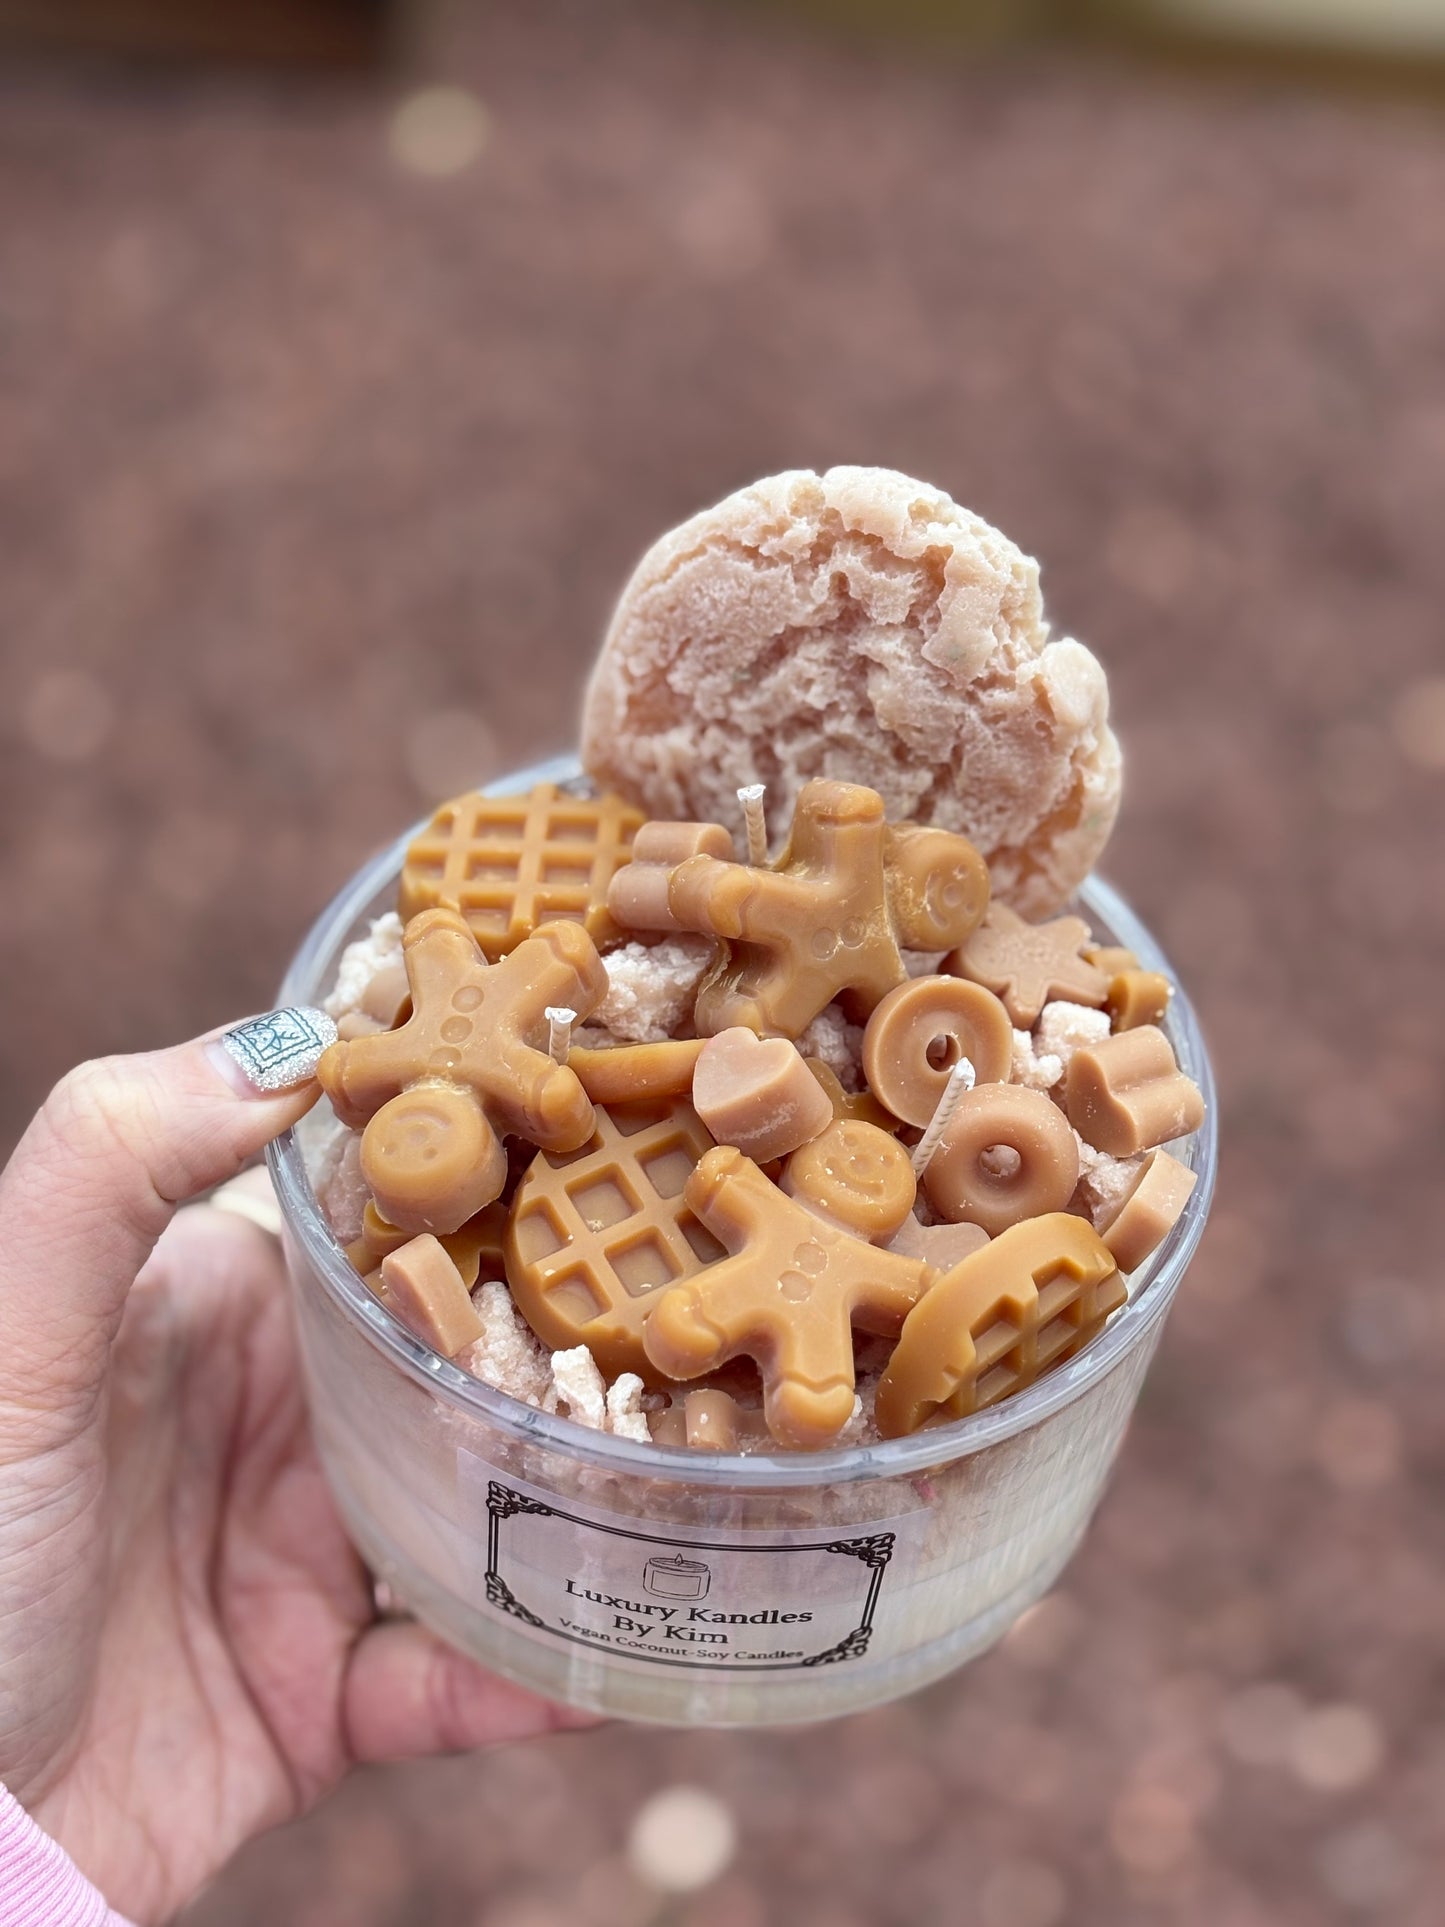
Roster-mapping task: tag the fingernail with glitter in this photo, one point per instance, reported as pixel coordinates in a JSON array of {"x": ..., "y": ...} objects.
[{"x": 275, "y": 1052}]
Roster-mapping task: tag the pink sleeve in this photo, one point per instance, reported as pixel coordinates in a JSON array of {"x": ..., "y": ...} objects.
[{"x": 39, "y": 1887}]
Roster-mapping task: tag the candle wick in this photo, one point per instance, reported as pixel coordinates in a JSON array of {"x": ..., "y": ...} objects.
[
  {"x": 751, "y": 798},
  {"x": 559, "y": 1039},
  {"x": 961, "y": 1078}
]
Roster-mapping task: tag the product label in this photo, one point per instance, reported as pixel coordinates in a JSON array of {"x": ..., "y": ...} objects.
[{"x": 745, "y": 1601}]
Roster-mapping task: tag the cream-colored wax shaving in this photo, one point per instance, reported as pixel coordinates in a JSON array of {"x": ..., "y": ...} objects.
[
  {"x": 1065, "y": 1027},
  {"x": 1104, "y": 1181},
  {"x": 578, "y": 1390},
  {"x": 651, "y": 989},
  {"x": 508, "y": 1356},
  {"x": 862, "y": 626},
  {"x": 1035, "y": 1069},
  {"x": 363, "y": 960},
  {"x": 838, "y": 1044}
]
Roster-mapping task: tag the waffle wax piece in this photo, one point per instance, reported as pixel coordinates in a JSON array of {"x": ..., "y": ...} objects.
[
  {"x": 788, "y": 1296},
  {"x": 512, "y": 863},
  {"x": 1128, "y": 1093},
  {"x": 593, "y": 1238},
  {"x": 757, "y": 1093},
  {"x": 1027, "y": 964},
  {"x": 921, "y": 1030},
  {"x": 1007, "y": 1154},
  {"x": 994, "y": 1324},
  {"x": 1148, "y": 1212},
  {"x": 436, "y": 1094},
  {"x": 637, "y": 897},
  {"x": 830, "y": 918}
]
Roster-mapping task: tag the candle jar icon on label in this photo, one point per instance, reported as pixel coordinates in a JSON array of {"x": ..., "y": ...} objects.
[{"x": 677, "y": 1578}]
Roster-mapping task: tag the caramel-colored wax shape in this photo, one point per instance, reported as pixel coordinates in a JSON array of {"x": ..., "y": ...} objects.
[
  {"x": 593, "y": 1238},
  {"x": 1028, "y": 963},
  {"x": 637, "y": 898},
  {"x": 998, "y": 1321},
  {"x": 828, "y": 918},
  {"x": 941, "y": 1246},
  {"x": 921, "y": 1030},
  {"x": 1137, "y": 997},
  {"x": 707, "y": 1420},
  {"x": 787, "y": 1296},
  {"x": 475, "y": 1250},
  {"x": 1128, "y": 1093},
  {"x": 384, "y": 1002},
  {"x": 435, "y": 1094},
  {"x": 1111, "y": 958},
  {"x": 420, "y": 1285},
  {"x": 861, "y": 1106},
  {"x": 967, "y": 1178},
  {"x": 636, "y": 1073},
  {"x": 1150, "y": 1211},
  {"x": 757, "y": 1093},
  {"x": 512, "y": 863},
  {"x": 855, "y": 1175}
]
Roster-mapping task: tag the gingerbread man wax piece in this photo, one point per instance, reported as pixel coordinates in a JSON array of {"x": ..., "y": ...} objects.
[
  {"x": 829, "y": 917},
  {"x": 788, "y": 1296},
  {"x": 436, "y": 1094},
  {"x": 1026, "y": 964}
]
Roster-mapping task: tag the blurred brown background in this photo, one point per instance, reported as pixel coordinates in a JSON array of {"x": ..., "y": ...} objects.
[{"x": 333, "y": 411}]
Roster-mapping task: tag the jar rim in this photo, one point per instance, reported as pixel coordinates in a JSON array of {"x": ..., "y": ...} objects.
[{"x": 1153, "y": 1285}]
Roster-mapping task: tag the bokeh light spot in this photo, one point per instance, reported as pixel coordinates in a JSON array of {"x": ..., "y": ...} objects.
[
  {"x": 682, "y": 1838},
  {"x": 438, "y": 131}
]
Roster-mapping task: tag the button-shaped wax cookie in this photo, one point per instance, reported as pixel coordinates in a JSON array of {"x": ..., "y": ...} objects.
[
  {"x": 1026, "y": 964},
  {"x": 758, "y": 1094},
  {"x": 512, "y": 863},
  {"x": 594, "y": 1237},
  {"x": 921, "y": 1030},
  {"x": 998, "y": 1321},
  {"x": 828, "y": 919},
  {"x": 855, "y": 1174},
  {"x": 788, "y": 1296},
  {"x": 1128, "y": 1093},
  {"x": 1007, "y": 1154},
  {"x": 436, "y": 1094}
]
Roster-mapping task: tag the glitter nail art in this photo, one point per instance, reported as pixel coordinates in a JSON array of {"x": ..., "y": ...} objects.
[{"x": 282, "y": 1048}]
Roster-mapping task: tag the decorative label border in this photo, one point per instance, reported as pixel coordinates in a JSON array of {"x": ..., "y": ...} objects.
[{"x": 875, "y": 1550}]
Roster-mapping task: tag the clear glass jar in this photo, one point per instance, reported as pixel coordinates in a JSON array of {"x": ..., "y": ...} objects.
[{"x": 696, "y": 1588}]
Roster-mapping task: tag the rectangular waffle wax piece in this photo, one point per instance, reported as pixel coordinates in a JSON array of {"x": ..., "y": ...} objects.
[{"x": 510, "y": 863}]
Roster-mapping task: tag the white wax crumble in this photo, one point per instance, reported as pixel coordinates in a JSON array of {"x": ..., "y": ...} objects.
[
  {"x": 1104, "y": 1181},
  {"x": 652, "y": 988},
  {"x": 1036, "y": 1070},
  {"x": 1064, "y": 1028},
  {"x": 361, "y": 961},
  {"x": 508, "y": 1356},
  {"x": 626, "y": 1418},
  {"x": 838, "y": 1043},
  {"x": 335, "y": 1166},
  {"x": 578, "y": 1389},
  {"x": 923, "y": 963}
]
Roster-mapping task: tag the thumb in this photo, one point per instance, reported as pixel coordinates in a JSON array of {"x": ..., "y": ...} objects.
[{"x": 119, "y": 1143}]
